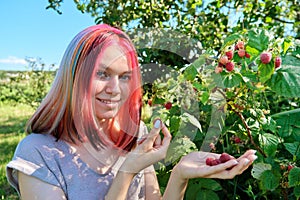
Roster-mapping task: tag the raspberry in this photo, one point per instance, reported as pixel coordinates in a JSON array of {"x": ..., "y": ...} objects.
[
  {"x": 218, "y": 70},
  {"x": 229, "y": 66},
  {"x": 150, "y": 102},
  {"x": 247, "y": 55},
  {"x": 240, "y": 45},
  {"x": 224, "y": 157},
  {"x": 229, "y": 55},
  {"x": 290, "y": 167},
  {"x": 224, "y": 60},
  {"x": 168, "y": 105},
  {"x": 277, "y": 62},
  {"x": 265, "y": 57},
  {"x": 241, "y": 53},
  {"x": 215, "y": 162},
  {"x": 209, "y": 161},
  {"x": 237, "y": 140}
]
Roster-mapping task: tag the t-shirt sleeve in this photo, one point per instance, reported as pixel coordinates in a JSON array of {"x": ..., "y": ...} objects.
[{"x": 35, "y": 156}]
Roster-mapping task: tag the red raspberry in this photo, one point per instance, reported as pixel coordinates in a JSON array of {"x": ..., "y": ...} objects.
[
  {"x": 247, "y": 55},
  {"x": 168, "y": 105},
  {"x": 229, "y": 55},
  {"x": 209, "y": 161},
  {"x": 241, "y": 53},
  {"x": 229, "y": 66},
  {"x": 277, "y": 62},
  {"x": 224, "y": 60},
  {"x": 240, "y": 45},
  {"x": 218, "y": 70},
  {"x": 224, "y": 157},
  {"x": 215, "y": 162},
  {"x": 290, "y": 167},
  {"x": 237, "y": 140},
  {"x": 150, "y": 102},
  {"x": 265, "y": 57}
]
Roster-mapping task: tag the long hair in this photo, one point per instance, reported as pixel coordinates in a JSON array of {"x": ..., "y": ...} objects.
[{"x": 68, "y": 109}]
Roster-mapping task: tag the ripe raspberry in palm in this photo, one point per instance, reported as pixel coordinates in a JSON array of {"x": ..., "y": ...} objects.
[
  {"x": 265, "y": 57},
  {"x": 229, "y": 55},
  {"x": 224, "y": 157},
  {"x": 241, "y": 53},
  {"x": 277, "y": 62},
  {"x": 229, "y": 66},
  {"x": 168, "y": 105},
  {"x": 224, "y": 60}
]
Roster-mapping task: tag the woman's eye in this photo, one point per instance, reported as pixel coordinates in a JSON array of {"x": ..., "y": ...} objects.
[
  {"x": 103, "y": 75},
  {"x": 125, "y": 77}
]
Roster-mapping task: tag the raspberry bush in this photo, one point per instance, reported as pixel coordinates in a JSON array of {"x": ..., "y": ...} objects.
[{"x": 244, "y": 96}]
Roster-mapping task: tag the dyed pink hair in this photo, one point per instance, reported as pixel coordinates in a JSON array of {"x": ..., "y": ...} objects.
[{"x": 68, "y": 112}]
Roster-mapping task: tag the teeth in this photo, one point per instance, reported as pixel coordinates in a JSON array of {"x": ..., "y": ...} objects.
[{"x": 107, "y": 102}]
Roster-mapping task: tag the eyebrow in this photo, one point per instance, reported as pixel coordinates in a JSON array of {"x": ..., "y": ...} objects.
[{"x": 108, "y": 69}]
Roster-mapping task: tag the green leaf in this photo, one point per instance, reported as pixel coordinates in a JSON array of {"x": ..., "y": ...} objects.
[
  {"x": 259, "y": 168},
  {"x": 269, "y": 143},
  {"x": 269, "y": 180},
  {"x": 209, "y": 184},
  {"x": 227, "y": 80},
  {"x": 286, "y": 81},
  {"x": 190, "y": 73},
  {"x": 297, "y": 191},
  {"x": 258, "y": 39},
  {"x": 266, "y": 71},
  {"x": 294, "y": 177},
  {"x": 293, "y": 148},
  {"x": 193, "y": 120},
  {"x": 207, "y": 195}
]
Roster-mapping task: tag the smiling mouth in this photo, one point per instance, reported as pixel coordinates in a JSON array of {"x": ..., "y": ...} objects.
[{"x": 108, "y": 102}]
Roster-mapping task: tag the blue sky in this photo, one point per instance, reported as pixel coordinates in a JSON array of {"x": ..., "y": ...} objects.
[{"x": 28, "y": 30}]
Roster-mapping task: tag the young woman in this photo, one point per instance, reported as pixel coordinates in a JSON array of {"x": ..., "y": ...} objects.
[{"x": 87, "y": 140}]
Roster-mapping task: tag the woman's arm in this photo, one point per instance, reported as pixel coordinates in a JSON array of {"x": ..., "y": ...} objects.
[
  {"x": 33, "y": 188},
  {"x": 152, "y": 191}
]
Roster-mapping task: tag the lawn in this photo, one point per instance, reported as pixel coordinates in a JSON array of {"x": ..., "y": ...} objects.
[{"x": 12, "y": 122}]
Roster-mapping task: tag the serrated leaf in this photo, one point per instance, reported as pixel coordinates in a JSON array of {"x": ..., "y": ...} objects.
[
  {"x": 297, "y": 191},
  {"x": 258, "y": 39},
  {"x": 193, "y": 120},
  {"x": 294, "y": 177},
  {"x": 265, "y": 71},
  {"x": 293, "y": 148},
  {"x": 207, "y": 195},
  {"x": 269, "y": 180},
  {"x": 269, "y": 143},
  {"x": 228, "y": 80},
  {"x": 286, "y": 81},
  {"x": 190, "y": 72},
  {"x": 209, "y": 184},
  {"x": 259, "y": 168}
]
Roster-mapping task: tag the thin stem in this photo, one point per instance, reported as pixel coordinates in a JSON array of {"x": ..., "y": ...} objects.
[{"x": 249, "y": 134}]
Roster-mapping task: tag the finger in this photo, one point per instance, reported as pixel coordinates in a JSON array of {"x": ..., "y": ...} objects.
[
  {"x": 150, "y": 139},
  {"x": 167, "y": 134},
  {"x": 247, "y": 154}
]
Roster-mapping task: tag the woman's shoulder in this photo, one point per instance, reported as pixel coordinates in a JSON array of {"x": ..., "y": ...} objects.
[{"x": 34, "y": 143}]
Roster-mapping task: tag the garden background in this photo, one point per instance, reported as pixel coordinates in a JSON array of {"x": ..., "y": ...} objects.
[{"x": 208, "y": 82}]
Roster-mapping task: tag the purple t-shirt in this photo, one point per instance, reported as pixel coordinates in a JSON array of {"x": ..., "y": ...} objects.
[{"x": 54, "y": 162}]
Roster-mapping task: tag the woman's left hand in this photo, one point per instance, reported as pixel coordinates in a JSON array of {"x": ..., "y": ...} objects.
[{"x": 194, "y": 165}]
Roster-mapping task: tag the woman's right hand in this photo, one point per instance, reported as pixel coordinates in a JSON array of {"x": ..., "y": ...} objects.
[{"x": 150, "y": 149}]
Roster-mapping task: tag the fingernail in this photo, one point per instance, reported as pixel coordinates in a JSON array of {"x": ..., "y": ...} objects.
[
  {"x": 157, "y": 124},
  {"x": 246, "y": 162},
  {"x": 255, "y": 157},
  {"x": 235, "y": 162}
]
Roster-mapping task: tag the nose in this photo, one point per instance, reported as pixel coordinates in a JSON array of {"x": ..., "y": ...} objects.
[{"x": 113, "y": 86}]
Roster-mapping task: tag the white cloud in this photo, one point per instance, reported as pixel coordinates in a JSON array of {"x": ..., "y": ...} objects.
[{"x": 13, "y": 60}]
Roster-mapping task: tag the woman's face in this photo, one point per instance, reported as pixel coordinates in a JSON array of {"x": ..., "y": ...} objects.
[{"x": 111, "y": 82}]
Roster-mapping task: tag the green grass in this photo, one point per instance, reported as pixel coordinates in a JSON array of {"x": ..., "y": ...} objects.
[{"x": 12, "y": 122}]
